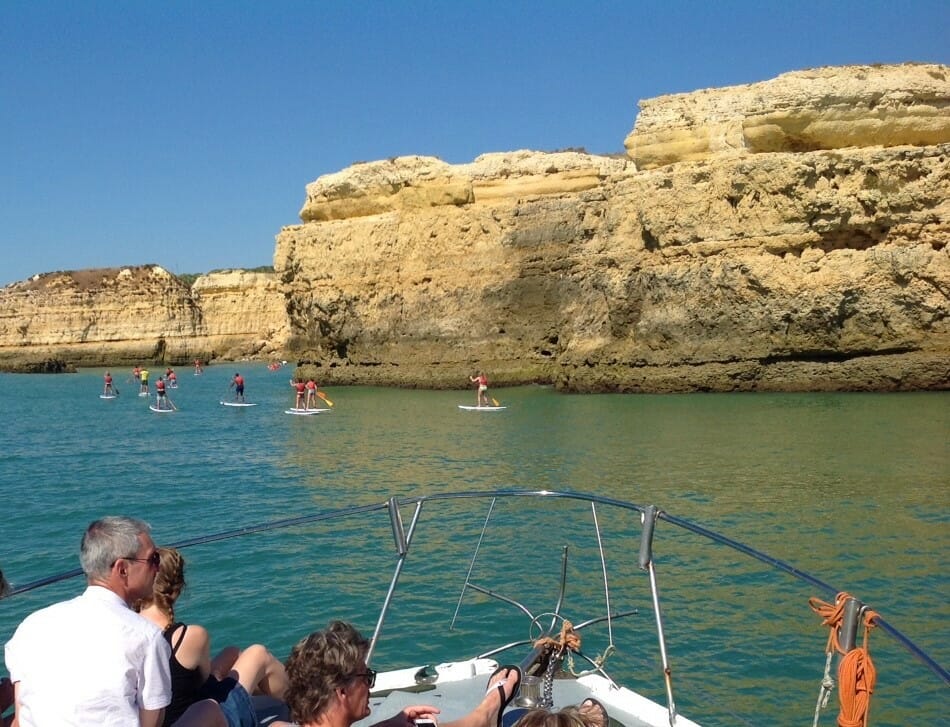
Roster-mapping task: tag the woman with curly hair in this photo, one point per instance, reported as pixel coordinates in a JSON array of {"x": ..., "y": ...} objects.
[{"x": 230, "y": 677}]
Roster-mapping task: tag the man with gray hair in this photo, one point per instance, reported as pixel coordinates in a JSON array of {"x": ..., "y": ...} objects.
[{"x": 92, "y": 660}]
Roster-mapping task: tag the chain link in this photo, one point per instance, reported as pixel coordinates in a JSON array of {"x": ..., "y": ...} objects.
[{"x": 547, "y": 685}]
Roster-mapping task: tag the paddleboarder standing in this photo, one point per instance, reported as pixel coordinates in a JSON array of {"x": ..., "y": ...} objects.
[
  {"x": 160, "y": 402},
  {"x": 107, "y": 388},
  {"x": 238, "y": 383},
  {"x": 300, "y": 388},
  {"x": 481, "y": 396}
]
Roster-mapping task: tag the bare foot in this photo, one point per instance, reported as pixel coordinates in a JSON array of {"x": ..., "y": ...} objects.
[{"x": 504, "y": 682}]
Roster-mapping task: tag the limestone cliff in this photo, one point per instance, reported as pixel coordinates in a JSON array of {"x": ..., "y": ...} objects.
[
  {"x": 138, "y": 314},
  {"x": 808, "y": 256},
  {"x": 821, "y": 108},
  {"x": 789, "y": 234},
  {"x": 243, "y": 313}
]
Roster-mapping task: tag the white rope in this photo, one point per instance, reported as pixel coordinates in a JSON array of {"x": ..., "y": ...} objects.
[{"x": 827, "y": 686}]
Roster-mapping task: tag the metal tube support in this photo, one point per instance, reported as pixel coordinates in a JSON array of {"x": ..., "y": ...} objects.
[
  {"x": 402, "y": 549},
  {"x": 395, "y": 519},
  {"x": 848, "y": 633},
  {"x": 645, "y": 561},
  {"x": 667, "y": 674}
]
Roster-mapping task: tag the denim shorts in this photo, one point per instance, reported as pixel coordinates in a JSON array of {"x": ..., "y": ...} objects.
[{"x": 238, "y": 710}]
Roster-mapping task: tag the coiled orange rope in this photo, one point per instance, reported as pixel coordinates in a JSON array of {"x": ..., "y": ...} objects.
[
  {"x": 857, "y": 676},
  {"x": 568, "y": 638}
]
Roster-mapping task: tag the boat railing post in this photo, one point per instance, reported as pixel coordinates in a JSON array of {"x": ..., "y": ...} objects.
[
  {"x": 850, "y": 619},
  {"x": 645, "y": 561},
  {"x": 399, "y": 533},
  {"x": 402, "y": 549}
]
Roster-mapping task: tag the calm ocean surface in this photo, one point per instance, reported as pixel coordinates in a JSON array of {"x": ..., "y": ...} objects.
[{"x": 852, "y": 488}]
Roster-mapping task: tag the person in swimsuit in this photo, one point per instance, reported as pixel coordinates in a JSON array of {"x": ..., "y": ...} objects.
[
  {"x": 195, "y": 675},
  {"x": 238, "y": 383},
  {"x": 481, "y": 396},
  {"x": 107, "y": 388},
  {"x": 301, "y": 389},
  {"x": 197, "y": 366},
  {"x": 160, "y": 401},
  {"x": 311, "y": 393},
  {"x": 172, "y": 379}
]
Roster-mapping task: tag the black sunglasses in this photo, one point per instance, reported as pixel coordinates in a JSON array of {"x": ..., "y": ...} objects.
[
  {"x": 154, "y": 560},
  {"x": 369, "y": 676}
]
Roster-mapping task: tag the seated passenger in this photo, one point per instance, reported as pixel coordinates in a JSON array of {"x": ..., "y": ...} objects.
[
  {"x": 195, "y": 675},
  {"x": 329, "y": 685}
]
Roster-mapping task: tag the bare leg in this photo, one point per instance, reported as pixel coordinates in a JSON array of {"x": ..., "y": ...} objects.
[
  {"x": 222, "y": 664},
  {"x": 486, "y": 714},
  {"x": 259, "y": 672}
]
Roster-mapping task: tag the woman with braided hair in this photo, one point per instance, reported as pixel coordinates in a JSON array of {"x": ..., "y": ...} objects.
[{"x": 195, "y": 675}]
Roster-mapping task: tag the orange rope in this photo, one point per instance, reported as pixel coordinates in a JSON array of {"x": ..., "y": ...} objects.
[
  {"x": 857, "y": 676},
  {"x": 568, "y": 638}
]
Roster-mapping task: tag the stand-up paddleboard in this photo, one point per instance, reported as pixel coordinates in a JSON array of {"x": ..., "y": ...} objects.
[
  {"x": 107, "y": 396},
  {"x": 143, "y": 393},
  {"x": 482, "y": 408},
  {"x": 305, "y": 412},
  {"x": 159, "y": 411},
  {"x": 236, "y": 403}
]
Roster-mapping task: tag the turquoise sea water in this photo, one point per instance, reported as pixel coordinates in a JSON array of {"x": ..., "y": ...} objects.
[{"x": 853, "y": 488}]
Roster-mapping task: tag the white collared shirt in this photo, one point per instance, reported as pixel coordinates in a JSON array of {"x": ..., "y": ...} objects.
[{"x": 88, "y": 661}]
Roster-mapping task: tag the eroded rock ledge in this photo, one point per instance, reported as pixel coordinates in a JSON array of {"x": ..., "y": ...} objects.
[
  {"x": 820, "y": 108},
  {"x": 787, "y": 235}
]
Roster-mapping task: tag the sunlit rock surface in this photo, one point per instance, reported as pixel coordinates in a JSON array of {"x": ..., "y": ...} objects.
[
  {"x": 785, "y": 235},
  {"x": 819, "y": 108},
  {"x": 138, "y": 314}
]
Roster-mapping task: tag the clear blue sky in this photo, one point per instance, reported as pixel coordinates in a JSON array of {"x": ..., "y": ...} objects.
[{"x": 184, "y": 133}]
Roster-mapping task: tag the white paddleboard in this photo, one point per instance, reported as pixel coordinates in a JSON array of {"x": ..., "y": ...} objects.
[
  {"x": 143, "y": 393},
  {"x": 304, "y": 412},
  {"x": 482, "y": 408},
  {"x": 107, "y": 396},
  {"x": 236, "y": 403},
  {"x": 159, "y": 411}
]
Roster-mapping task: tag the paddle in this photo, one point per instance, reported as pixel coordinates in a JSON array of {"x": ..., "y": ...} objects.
[
  {"x": 495, "y": 401},
  {"x": 169, "y": 399},
  {"x": 324, "y": 397},
  {"x": 115, "y": 389}
]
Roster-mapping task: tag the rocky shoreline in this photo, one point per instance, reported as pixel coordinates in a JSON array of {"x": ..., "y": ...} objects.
[{"x": 786, "y": 235}]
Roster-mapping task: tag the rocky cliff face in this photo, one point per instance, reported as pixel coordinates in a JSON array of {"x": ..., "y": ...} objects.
[
  {"x": 790, "y": 234},
  {"x": 138, "y": 314},
  {"x": 784, "y": 235},
  {"x": 821, "y": 108}
]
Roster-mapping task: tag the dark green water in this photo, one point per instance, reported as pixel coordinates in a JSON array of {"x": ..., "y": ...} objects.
[{"x": 853, "y": 488}]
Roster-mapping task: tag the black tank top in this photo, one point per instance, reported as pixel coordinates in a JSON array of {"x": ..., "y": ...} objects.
[{"x": 185, "y": 682}]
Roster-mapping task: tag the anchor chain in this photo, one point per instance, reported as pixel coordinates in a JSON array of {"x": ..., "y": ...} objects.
[
  {"x": 567, "y": 641},
  {"x": 547, "y": 683}
]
